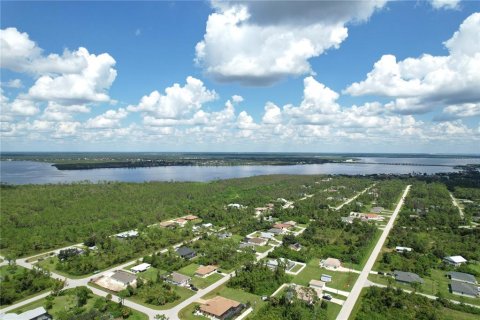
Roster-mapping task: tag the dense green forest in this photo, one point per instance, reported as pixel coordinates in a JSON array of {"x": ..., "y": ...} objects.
[
  {"x": 37, "y": 218},
  {"x": 259, "y": 279},
  {"x": 18, "y": 283},
  {"x": 429, "y": 224},
  {"x": 111, "y": 251}
]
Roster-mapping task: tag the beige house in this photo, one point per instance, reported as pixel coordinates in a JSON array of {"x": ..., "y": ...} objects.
[
  {"x": 205, "y": 271},
  {"x": 221, "y": 308}
]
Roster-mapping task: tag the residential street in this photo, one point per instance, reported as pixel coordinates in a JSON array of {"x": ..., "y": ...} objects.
[{"x": 357, "y": 288}]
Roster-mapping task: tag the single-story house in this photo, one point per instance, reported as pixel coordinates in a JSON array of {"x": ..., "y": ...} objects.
[
  {"x": 273, "y": 263},
  {"x": 178, "y": 279},
  {"x": 35, "y": 314},
  {"x": 331, "y": 263},
  {"x": 205, "y": 271},
  {"x": 190, "y": 217},
  {"x": 127, "y": 234},
  {"x": 403, "y": 249},
  {"x": 276, "y": 231},
  {"x": 316, "y": 284},
  {"x": 117, "y": 280},
  {"x": 295, "y": 247},
  {"x": 372, "y": 217},
  {"x": 455, "y": 260},
  {"x": 407, "y": 277},
  {"x": 185, "y": 252},
  {"x": 124, "y": 277},
  {"x": 464, "y": 289},
  {"x": 221, "y": 308},
  {"x": 267, "y": 235},
  {"x": 167, "y": 224},
  {"x": 257, "y": 241},
  {"x": 236, "y": 206},
  {"x": 290, "y": 223},
  {"x": 462, "y": 277},
  {"x": 224, "y": 235},
  {"x": 377, "y": 209},
  {"x": 141, "y": 267},
  {"x": 281, "y": 226}
]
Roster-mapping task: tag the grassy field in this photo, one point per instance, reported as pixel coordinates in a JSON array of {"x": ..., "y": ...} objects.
[
  {"x": 333, "y": 310},
  {"x": 296, "y": 268},
  {"x": 205, "y": 282},
  {"x": 189, "y": 270},
  {"x": 262, "y": 249},
  {"x": 66, "y": 302},
  {"x": 340, "y": 280}
]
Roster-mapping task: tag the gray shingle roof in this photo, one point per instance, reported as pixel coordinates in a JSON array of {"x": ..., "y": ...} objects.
[
  {"x": 123, "y": 276},
  {"x": 462, "y": 277},
  {"x": 464, "y": 288},
  {"x": 408, "y": 277},
  {"x": 185, "y": 251}
]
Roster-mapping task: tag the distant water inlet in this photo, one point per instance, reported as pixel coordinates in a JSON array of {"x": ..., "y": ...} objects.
[{"x": 29, "y": 172}]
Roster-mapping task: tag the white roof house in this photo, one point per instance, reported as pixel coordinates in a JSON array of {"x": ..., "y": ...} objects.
[
  {"x": 35, "y": 314},
  {"x": 236, "y": 206},
  {"x": 127, "y": 234},
  {"x": 331, "y": 263},
  {"x": 141, "y": 267},
  {"x": 455, "y": 260},
  {"x": 402, "y": 249},
  {"x": 267, "y": 235}
]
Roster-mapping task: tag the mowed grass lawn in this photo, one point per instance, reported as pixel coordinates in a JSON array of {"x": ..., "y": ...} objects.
[
  {"x": 65, "y": 302},
  {"x": 340, "y": 280}
]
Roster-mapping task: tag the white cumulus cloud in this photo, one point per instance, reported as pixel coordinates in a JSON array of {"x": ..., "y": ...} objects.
[
  {"x": 261, "y": 42},
  {"x": 421, "y": 84}
]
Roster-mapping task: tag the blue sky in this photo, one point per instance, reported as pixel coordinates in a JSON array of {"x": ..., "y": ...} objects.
[{"x": 293, "y": 69}]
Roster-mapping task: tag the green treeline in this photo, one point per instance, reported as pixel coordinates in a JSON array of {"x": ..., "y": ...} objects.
[
  {"x": 395, "y": 304},
  {"x": 37, "y": 218},
  {"x": 18, "y": 283}
]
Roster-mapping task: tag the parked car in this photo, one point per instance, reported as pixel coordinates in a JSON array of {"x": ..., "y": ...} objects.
[
  {"x": 327, "y": 297},
  {"x": 193, "y": 288}
]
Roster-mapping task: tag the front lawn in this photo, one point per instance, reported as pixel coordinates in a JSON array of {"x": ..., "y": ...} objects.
[
  {"x": 67, "y": 302},
  {"x": 205, "y": 282},
  {"x": 340, "y": 280}
]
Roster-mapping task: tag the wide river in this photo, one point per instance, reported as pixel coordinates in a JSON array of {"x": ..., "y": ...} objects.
[{"x": 29, "y": 172}]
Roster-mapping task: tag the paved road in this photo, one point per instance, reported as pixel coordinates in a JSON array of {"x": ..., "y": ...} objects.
[
  {"x": 24, "y": 302},
  {"x": 353, "y": 198},
  {"x": 357, "y": 288}
]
